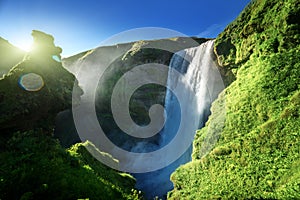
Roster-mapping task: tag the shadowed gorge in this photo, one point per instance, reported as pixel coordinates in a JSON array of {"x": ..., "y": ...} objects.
[{"x": 200, "y": 78}]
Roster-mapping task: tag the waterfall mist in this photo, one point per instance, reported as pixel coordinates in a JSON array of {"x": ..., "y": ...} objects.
[
  {"x": 200, "y": 74},
  {"x": 193, "y": 82}
]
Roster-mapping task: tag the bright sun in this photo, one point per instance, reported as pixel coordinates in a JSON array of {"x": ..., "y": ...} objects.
[{"x": 25, "y": 45}]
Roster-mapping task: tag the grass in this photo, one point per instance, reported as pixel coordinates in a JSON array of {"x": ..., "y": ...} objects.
[
  {"x": 34, "y": 166},
  {"x": 257, "y": 155}
]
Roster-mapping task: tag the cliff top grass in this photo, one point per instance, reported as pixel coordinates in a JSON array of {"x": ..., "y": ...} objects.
[{"x": 257, "y": 154}]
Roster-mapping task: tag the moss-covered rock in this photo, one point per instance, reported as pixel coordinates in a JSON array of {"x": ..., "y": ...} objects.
[
  {"x": 257, "y": 155},
  {"x": 36, "y": 89},
  {"x": 34, "y": 166},
  {"x": 43, "y": 46},
  {"x": 263, "y": 28}
]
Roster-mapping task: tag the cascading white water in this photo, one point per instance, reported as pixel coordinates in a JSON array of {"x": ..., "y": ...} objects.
[
  {"x": 197, "y": 86},
  {"x": 201, "y": 76}
]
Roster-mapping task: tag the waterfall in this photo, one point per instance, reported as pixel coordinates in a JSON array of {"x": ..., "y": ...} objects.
[
  {"x": 193, "y": 83},
  {"x": 200, "y": 75}
]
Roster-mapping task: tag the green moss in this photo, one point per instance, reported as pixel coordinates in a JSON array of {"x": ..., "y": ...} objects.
[
  {"x": 34, "y": 166},
  {"x": 25, "y": 110},
  {"x": 257, "y": 155}
]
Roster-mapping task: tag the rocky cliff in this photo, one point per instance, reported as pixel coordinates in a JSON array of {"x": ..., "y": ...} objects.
[
  {"x": 133, "y": 54},
  {"x": 36, "y": 89},
  {"x": 33, "y": 164}
]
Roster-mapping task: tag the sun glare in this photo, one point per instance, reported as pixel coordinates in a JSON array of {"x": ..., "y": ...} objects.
[{"x": 25, "y": 45}]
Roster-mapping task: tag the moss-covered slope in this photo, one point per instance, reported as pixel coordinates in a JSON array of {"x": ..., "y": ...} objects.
[
  {"x": 32, "y": 164},
  {"x": 29, "y": 102},
  {"x": 258, "y": 153}
]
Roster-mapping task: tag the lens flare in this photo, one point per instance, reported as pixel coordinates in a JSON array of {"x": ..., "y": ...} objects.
[
  {"x": 56, "y": 58},
  {"x": 31, "y": 82}
]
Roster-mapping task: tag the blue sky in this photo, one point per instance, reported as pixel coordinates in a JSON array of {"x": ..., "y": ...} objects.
[{"x": 79, "y": 25}]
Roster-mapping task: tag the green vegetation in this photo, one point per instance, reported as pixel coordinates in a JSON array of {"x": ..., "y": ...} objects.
[
  {"x": 34, "y": 166},
  {"x": 24, "y": 110},
  {"x": 256, "y": 157},
  {"x": 258, "y": 153}
]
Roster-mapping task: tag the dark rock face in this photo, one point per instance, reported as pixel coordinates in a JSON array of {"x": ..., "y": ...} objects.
[
  {"x": 33, "y": 164},
  {"x": 35, "y": 90},
  {"x": 135, "y": 54},
  {"x": 44, "y": 46},
  {"x": 65, "y": 130}
]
